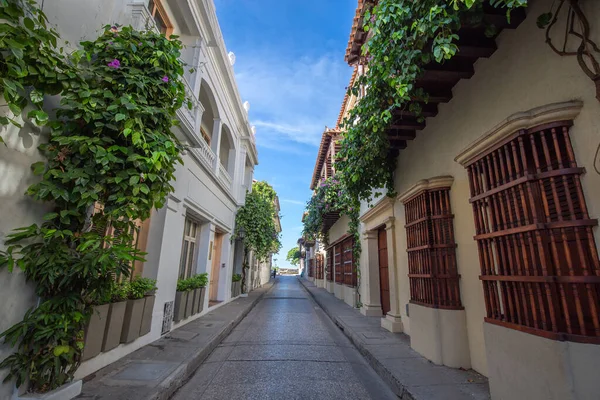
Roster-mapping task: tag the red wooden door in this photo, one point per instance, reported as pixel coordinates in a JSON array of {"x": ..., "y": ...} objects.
[{"x": 384, "y": 277}]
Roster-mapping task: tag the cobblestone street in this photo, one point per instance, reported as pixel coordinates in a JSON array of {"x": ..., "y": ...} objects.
[{"x": 286, "y": 348}]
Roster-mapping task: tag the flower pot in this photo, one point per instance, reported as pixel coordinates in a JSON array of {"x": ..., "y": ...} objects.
[
  {"x": 146, "y": 324},
  {"x": 132, "y": 320},
  {"x": 180, "y": 302},
  {"x": 94, "y": 332},
  {"x": 196, "y": 303},
  {"x": 238, "y": 287},
  {"x": 202, "y": 296},
  {"x": 67, "y": 391},
  {"x": 114, "y": 325},
  {"x": 190, "y": 304}
]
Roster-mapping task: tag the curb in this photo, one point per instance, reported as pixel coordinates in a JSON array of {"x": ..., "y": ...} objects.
[
  {"x": 397, "y": 387},
  {"x": 167, "y": 388}
]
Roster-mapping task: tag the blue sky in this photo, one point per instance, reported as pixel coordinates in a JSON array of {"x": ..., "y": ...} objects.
[{"x": 290, "y": 67}]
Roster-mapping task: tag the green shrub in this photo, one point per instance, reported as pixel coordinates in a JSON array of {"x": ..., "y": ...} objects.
[
  {"x": 183, "y": 285},
  {"x": 200, "y": 280},
  {"x": 236, "y": 278},
  {"x": 140, "y": 287}
]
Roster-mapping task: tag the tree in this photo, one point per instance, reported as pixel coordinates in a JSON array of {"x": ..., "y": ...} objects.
[{"x": 293, "y": 256}]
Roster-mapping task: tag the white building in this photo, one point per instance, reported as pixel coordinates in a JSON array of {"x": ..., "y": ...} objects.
[{"x": 192, "y": 232}]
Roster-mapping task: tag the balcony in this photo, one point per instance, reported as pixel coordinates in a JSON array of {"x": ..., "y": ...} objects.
[{"x": 224, "y": 177}]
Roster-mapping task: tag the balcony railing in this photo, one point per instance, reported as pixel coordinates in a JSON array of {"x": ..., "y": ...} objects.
[
  {"x": 207, "y": 156},
  {"x": 224, "y": 176}
]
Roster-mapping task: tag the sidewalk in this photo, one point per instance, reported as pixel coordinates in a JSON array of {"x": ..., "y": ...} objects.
[
  {"x": 411, "y": 376},
  {"x": 157, "y": 370}
]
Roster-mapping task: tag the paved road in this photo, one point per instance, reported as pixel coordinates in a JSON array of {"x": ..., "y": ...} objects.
[{"x": 286, "y": 348}]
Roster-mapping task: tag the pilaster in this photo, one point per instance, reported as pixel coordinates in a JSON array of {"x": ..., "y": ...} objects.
[
  {"x": 392, "y": 321},
  {"x": 370, "y": 277}
]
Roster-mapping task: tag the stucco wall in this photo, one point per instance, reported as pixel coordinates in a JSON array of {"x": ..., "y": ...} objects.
[
  {"x": 16, "y": 210},
  {"x": 339, "y": 229},
  {"x": 523, "y": 73}
]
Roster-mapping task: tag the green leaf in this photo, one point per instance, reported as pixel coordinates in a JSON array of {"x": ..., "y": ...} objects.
[
  {"x": 120, "y": 117},
  {"x": 29, "y": 24},
  {"x": 134, "y": 179},
  {"x": 38, "y": 168},
  {"x": 544, "y": 20},
  {"x": 36, "y": 96}
]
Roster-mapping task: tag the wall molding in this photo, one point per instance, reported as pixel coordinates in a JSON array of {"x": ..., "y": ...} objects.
[
  {"x": 436, "y": 182},
  {"x": 565, "y": 111},
  {"x": 384, "y": 205}
]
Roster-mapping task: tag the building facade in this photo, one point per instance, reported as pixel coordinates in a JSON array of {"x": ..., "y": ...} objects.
[
  {"x": 487, "y": 257},
  {"x": 192, "y": 233}
]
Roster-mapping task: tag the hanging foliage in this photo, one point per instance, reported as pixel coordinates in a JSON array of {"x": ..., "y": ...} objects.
[
  {"x": 110, "y": 145},
  {"x": 404, "y": 36},
  {"x": 257, "y": 219}
]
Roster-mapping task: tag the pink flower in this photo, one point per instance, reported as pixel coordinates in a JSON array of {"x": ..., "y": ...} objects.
[
  {"x": 114, "y": 28},
  {"x": 165, "y": 79},
  {"x": 114, "y": 64}
]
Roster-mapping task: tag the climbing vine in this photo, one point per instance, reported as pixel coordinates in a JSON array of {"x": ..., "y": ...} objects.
[
  {"x": 111, "y": 158},
  {"x": 257, "y": 220},
  {"x": 405, "y": 35}
]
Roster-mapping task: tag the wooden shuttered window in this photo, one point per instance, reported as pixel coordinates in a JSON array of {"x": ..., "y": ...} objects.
[
  {"x": 431, "y": 248},
  {"x": 137, "y": 238},
  {"x": 350, "y": 275},
  {"x": 337, "y": 264},
  {"x": 311, "y": 267},
  {"x": 320, "y": 266},
  {"x": 539, "y": 262},
  {"x": 329, "y": 261}
]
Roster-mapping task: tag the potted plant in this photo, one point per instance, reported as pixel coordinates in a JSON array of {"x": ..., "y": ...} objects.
[
  {"x": 134, "y": 310},
  {"x": 149, "y": 299},
  {"x": 116, "y": 316},
  {"x": 181, "y": 297},
  {"x": 236, "y": 285},
  {"x": 189, "y": 305},
  {"x": 96, "y": 326},
  {"x": 200, "y": 282}
]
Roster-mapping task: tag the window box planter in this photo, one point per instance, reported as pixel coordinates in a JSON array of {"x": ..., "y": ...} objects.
[
  {"x": 202, "y": 294},
  {"x": 196, "y": 302},
  {"x": 236, "y": 288},
  {"x": 114, "y": 325},
  {"x": 180, "y": 303},
  {"x": 189, "y": 304},
  {"x": 146, "y": 324},
  {"x": 94, "y": 332},
  {"x": 132, "y": 320}
]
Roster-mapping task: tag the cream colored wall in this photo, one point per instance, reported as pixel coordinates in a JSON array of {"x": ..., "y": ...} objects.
[
  {"x": 339, "y": 229},
  {"x": 523, "y": 73}
]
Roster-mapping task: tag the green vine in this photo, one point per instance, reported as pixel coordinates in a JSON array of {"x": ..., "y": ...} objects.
[
  {"x": 405, "y": 35},
  {"x": 111, "y": 158},
  {"x": 257, "y": 219}
]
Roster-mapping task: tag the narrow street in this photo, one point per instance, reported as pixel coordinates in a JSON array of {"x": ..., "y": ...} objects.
[{"x": 286, "y": 348}]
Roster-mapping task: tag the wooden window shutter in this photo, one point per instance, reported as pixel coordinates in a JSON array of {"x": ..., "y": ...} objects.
[
  {"x": 539, "y": 263},
  {"x": 432, "y": 269},
  {"x": 330, "y": 265}
]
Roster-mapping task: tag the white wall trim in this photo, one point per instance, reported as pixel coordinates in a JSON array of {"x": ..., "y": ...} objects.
[{"x": 426, "y": 184}]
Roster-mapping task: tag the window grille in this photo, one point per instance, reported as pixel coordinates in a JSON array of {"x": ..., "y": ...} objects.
[
  {"x": 539, "y": 262},
  {"x": 432, "y": 270},
  {"x": 339, "y": 275},
  {"x": 350, "y": 275},
  {"x": 330, "y": 265}
]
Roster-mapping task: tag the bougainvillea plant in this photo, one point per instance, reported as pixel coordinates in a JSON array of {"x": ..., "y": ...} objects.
[
  {"x": 404, "y": 36},
  {"x": 111, "y": 157}
]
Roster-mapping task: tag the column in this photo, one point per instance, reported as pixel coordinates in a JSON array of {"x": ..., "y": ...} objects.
[
  {"x": 203, "y": 264},
  {"x": 392, "y": 321},
  {"x": 215, "y": 143},
  {"x": 371, "y": 296}
]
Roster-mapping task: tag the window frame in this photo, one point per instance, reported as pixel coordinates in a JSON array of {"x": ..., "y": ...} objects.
[
  {"x": 185, "y": 263},
  {"x": 155, "y": 7}
]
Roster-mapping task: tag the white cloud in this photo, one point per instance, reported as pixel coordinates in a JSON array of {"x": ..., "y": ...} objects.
[
  {"x": 298, "y": 202},
  {"x": 292, "y": 99}
]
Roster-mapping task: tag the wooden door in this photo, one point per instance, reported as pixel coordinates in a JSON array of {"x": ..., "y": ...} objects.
[
  {"x": 216, "y": 266},
  {"x": 384, "y": 277}
]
